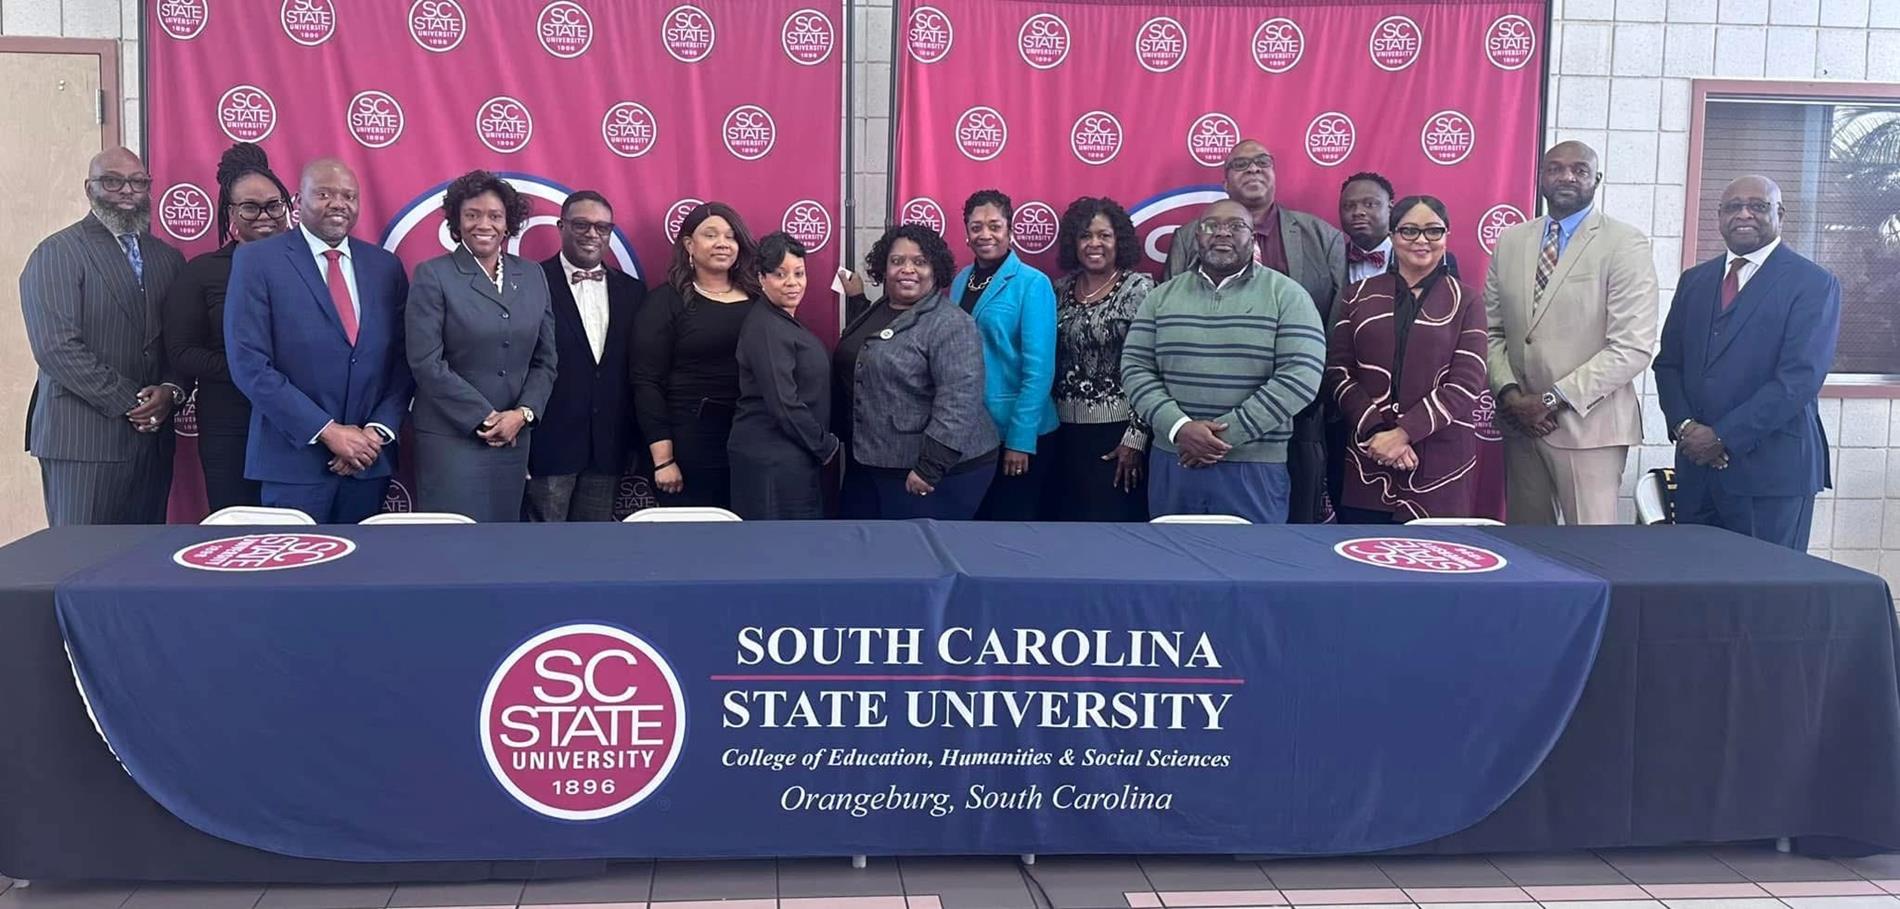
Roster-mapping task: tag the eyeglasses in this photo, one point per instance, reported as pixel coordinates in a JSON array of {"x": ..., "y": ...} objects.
[
  {"x": 253, "y": 211},
  {"x": 1232, "y": 227},
  {"x": 1241, "y": 165},
  {"x": 113, "y": 183},
  {"x": 584, "y": 227},
  {"x": 1735, "y": 206},
  {"x": 1409, "y": 232}
]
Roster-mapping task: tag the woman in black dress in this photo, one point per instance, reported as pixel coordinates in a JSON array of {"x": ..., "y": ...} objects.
[
  {"x": 780, "y": 440},
  {"x": 685, "y": 364},
  {"x": 252, "y": 205}
]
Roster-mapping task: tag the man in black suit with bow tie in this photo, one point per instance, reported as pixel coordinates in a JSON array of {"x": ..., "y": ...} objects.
[{"x": 582, "y": 443}]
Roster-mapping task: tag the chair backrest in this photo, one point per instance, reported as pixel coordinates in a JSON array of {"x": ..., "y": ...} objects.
[
  {"x": 1199, "y": 519},
  {"x": 681, "y": 514},
  {"x": 1455, "y": 522},
  {"x": 255, "y": 516},
  {"x": 1651, "y": 506},
  {"x": 418, "y": 517}
]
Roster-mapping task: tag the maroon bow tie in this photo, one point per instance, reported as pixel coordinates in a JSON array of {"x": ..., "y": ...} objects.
[
  {"x": 597, "y": 274},
  {"x": 1355, "y": 255}
]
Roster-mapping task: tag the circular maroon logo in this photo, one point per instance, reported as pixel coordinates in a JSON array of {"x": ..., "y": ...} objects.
[
  {"x": 1212, "y": 138},
  {"x": 1096, "y": 137},
  {"x": 634, "y": 493},
  {"x": 247, "y": 114},
  {"x": 375, "y": 119},
  {"x": 185, "y": 419},
  {"x": 565, "y": 29},
  {"x": 1484, "y": 418},
  {"x": 629, "y": 129},
  {"x": 927, "y": 35},
  {"x": 1510, "y": 42},
  {"x": 1043, "y": 41},
  {"x": 808, "y": 221},
  {"x": 981, "y": 133},
  {"x": 583, "y": 722},
  {"x": 185, "y": 212},
  {"x": 1495, "y": 220},
  {"x": 183, "y": 19},
  {"x": 923, "y": 210},
  {"x": 1396, "y": 42},
  {"x": 687, "y": 32},
  {"x": 1161, "y": 44},
  {"x": 749, "y": 132},
  {"x": 308, "y": 22},
  {"x": 396, "y": 498},
  {"x": 808, "y": 37},
  {"x": 1447, "y": 137},
  {"x": 264, "y": 552},
  {"x": 1034, "y": 228},
  {"x": 437, "y": 26},
  {"x": 1407, "y": 554},
  {"x": 676, "y": 215},
  {"x": 1278, "y": 45},
  {"x": 1329, "y": 138},
  {"x": 504, "y": 124}
]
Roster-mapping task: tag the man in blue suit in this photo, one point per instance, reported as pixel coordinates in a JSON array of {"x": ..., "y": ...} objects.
[
  {"x": 314, "y": 323},
  {"x": 1749, "y": 339}
]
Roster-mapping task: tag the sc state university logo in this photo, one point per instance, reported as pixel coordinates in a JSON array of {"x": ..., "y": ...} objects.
[
  {"x": 374, "y": 119},
  {"x": 749, "y": 132},
  {"x": 185, "y": 419},
  {"x": 1096, "y": 137},
  {"x": 246, "y": 113},
  {"x": 1433, "y": 556},
  {"x": 928, "y": 34},
  {"x": 1329, "y": 139},
  {"x": 1157, "y": 219},
  {"x": 565, "y": 29},
  {"x": 688, "y": 34},
  {"x": 1510, "y": 42},
  {"x": 808, "y": 222},
  {"x": 308, "y": 22},
  {"x": 923, "y": 210},
  {"x": 676, "y": 215},
  {"x": 504, "y": 124},
  {"x": 1484, "y": 418},
  {"x": 1212, "y": 138},
  {"x": 1493, "y": 223},
  {"x": 1034, "y": 227},
  {"x": 396, "y": 498},
  {"x": 808, "y": 37},
  {"x": 264, "y": 552},
  {"x": 1043, "y": 41},
  {"x": 183, "y": 19},
  {"x": 981, "y": 133},
  {"x": 629, "y": 129},
  {"x": 418, "y": 232},
  {"x": 1161, "y": 44},
  {"x": 1396, "y": 43},
  {"x": 184, "y": 210},
  {"x": 583, "y": 722},
  {"x": 1278, "y": 45},
  {"x": 438, "y": 26},
  {"x": 1448, "y": 137}
]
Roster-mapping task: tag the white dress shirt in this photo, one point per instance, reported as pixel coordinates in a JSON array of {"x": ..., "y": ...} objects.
[
  {"x": 1359, "y": 271},
  {"x": 318, "y": 246},
  {"x": 590, "y": 297},
  {"x": 1755, "y": 261}
]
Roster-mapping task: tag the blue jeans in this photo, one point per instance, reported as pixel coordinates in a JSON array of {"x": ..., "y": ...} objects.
[{"x": 1255, "y": 491}]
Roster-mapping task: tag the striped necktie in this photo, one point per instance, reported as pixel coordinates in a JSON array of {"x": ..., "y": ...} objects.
[
  {"x": 130, "y": 243},
  {"x": 1547, "y": 260}
]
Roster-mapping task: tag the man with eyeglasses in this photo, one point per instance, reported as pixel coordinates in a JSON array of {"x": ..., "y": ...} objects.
[
  {"x": 1312, "y": 253},
  {"x": 1749, "y": 340},
  {"x": 1220, "y": 361},
  {"x": 582, "y": 443},
  {"x": 92, "y": 294},
  {"x": 1571, "y": 299}
]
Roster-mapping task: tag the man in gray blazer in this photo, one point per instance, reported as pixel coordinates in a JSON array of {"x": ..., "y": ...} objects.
[
  {"x": 1312, "y": 253},
  {"x": 91, "y": 295}
]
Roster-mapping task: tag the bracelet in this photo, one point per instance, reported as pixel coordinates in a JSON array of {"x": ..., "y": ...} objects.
[
  {"x": 663, "y": 464},
  {"x": 1683, "y": 425}
]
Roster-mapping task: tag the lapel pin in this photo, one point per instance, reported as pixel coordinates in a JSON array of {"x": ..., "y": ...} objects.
[{"x": 885, "y": 334}]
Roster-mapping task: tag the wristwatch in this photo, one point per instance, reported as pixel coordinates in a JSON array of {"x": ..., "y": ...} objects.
[
  {"x": 527, "y": 414},
  {"x": 1552, "y": 401}
]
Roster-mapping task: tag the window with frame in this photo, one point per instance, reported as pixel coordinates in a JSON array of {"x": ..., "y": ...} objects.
[{"x": 1834, "y": 148}]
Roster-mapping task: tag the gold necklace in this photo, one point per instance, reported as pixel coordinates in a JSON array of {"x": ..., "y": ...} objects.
[{"x": 1102, "y": 291}]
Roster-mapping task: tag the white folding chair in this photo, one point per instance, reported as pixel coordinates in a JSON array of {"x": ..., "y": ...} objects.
[
  {"x": 256, "y": 516},
  {"x": 1650, "y": 507},
  {"x": 686, "y": 514},
  {"x": 418, "y": 517},
  {"x": 1199, "y": 519},
  {"x": 1454, "y": 522}
]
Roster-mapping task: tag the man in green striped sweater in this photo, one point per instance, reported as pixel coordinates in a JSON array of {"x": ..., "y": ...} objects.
[{"x": 1219, "y": 360}]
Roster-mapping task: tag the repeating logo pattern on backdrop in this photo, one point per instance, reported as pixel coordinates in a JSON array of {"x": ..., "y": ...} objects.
[
  {"x": 808, "y": 222},
  {"x": 565, "y": 29},
  {"x": 375, "y": 119},
  {"x": 808, "y": 37},
  {"x": 629, "y": 129},
  {"x": 583, "y": 722},
  {"x": 185, "y": 419},
  {"x": 1096, "y": 137},
  {"x": 928, "y": 34},
  {"x": 438, "y": 26},
  {"x": 688, "y": 34},
  {"x": 1406, "y": 554},
  {"x": 749, "y": 132},
  {"x": 923, "y": 210},
  {"x": 1510, "y": 42},
  {"x": 420, "y": 232},
  {"x": 1495, "y": 220},
  {"x": 264, "y": 552},
  {"x": 246, "y": 113},
  {"x": 1034, "y": 227},
  {"x": 981, "y": 133},
  {"x": 1043, "y": 41},
  {"x": 1161, "y": 44},
  {"x": 308, "y": 22},
  {"x": 184, "y": 210},
  {"x": 1278, "y": 45},
  {"x": 504, "y": 124},
  {"x": 1396, "y": 43},
  {"x": 1329, "y": 139},
  {"x": 1211, "y": 138},
  {"x": 676, "y": 215},
  {"x": 183, "y": 19},
  {"x": 1447, "y": 137}
]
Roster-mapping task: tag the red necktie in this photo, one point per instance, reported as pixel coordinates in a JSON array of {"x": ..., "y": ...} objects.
[
  {"x": 1374, "y": 258},
  {"x": 340, "y": 294},
  {"x": 1732, "y": 284}
]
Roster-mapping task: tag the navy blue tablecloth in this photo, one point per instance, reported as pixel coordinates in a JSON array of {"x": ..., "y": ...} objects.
[{"x": 1315, "y": 704}]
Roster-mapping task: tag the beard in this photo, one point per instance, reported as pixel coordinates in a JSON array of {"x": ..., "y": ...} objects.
[{"x": 120, "y": 221}]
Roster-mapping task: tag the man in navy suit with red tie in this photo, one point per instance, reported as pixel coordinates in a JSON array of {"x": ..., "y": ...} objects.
[
  {"x": 313, "y": 322},
  {"x": 1748, "y": 342}
]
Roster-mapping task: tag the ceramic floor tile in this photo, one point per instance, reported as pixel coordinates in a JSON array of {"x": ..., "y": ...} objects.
[
  {"x": 966, "y": 882},
  {"x": 627, "y": 882},
  {"x": 1883, "y": 866},
  {"x": 1557, "y": 869},
  {"x": 1087, "y": 882},
  {"x": 1197, "y": 899},
  {"x": 1344, "y": 896},
  {"x": 1410, "y": 871},
  {"x": 472, "y": 893},
  {"x": 723, "y": 880},
  {"x": 834, "y": 877},
  {"x": 62, "y": 895},
  {"x": 1765, "y": 864},
  {"x": 1462, "y": 895},
  {"x": 1730, "y": 890},
  {"x": 1203, "y": 873},
  {"x": 194, "y": 896},
  {"x": 1325, "y": 874},
  {"x": 1786, "y": 889},
  {"x": 1736, "y": 903},
  {"x": 327, "y": 896},
  {"x": 1842, "y": 902},
  {"x": 1669, "y": 866},
  {"x": 1568, "y": 893}
]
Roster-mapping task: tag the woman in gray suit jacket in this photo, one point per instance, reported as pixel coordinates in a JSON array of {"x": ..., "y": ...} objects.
[
  {"x": 908, "y": 391},
  {"x": 481, "y": 345}
]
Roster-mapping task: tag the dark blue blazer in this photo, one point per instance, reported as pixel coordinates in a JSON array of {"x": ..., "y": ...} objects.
[
  {"x": 289, "y": 354},
  {"x": 589, "y": 419},
  {"x": 1758, "y": 381}
]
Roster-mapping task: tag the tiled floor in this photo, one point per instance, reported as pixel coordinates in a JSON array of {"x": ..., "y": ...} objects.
[{"x": 1721, "y": 878}]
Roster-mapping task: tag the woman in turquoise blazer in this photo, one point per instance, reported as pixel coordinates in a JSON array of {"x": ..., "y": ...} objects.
[{"x": 1015, "y": 310}]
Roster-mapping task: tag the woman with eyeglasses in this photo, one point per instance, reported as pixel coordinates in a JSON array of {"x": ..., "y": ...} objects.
[
  {"x": 252, "y": 205},
  {"x": 1406, "y": 366}
]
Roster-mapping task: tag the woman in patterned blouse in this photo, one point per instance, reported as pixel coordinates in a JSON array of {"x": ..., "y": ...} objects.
[{"x": 1099, "y": 448}]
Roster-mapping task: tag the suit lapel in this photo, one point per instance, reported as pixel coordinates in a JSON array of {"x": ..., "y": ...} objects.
[
  {"x": 154, "y": 297},
  {"x": 1005, "y": 273},
  {"x": 1574, "y": 251},
  {"x": 109, "y": 258},
  {"x": 1297, "y": 261},
  {"x": 567, "y": 310},
  {"x": 1700, "y": 299},
  {"x": 1760, "y": 289},
  {"x": 478, "y": 276},
  {"x": 304, "y": 263}
]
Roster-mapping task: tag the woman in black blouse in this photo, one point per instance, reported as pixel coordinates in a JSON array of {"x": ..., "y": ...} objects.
[
  {"x": 252, "y": 205},
  {"x": 780, "y": 440},
  {"x": 685, "y": 365}
]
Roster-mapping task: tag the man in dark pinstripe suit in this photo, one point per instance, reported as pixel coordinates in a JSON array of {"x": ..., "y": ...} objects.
[{"x": 91, "y": 295}]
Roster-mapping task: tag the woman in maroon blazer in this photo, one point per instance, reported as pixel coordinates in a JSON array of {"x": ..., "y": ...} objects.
[{"x": 1420, "y": 331}]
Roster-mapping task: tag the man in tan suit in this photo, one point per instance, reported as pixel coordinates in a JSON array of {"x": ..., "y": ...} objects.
[{"x": 1572, "y": 302}]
